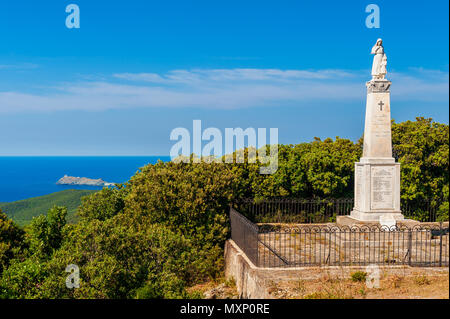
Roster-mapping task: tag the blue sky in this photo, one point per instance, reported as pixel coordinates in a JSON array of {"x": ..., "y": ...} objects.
[{"x": 135, "y": 70}]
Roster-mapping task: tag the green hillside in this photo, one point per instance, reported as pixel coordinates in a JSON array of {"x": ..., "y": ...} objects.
[{"x": 23, "y": 211}]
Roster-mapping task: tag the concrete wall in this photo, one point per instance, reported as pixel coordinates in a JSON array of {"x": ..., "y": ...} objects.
[{"x": 249, "y": 282}]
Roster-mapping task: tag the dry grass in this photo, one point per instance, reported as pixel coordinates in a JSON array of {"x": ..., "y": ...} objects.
[
  {"x": 227, "y": 288},
  {"x": 394, "y": 281},
  {"x": 391, "y": 287}
]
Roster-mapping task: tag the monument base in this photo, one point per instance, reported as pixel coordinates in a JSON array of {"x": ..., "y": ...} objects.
[
  {"x": 377, "y": 190},
  {"x": 349, "y": 221},
  {"x": 375, "y": 216}
]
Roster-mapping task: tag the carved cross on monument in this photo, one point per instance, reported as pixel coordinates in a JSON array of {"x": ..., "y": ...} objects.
[{"x": 381, "y": 105}]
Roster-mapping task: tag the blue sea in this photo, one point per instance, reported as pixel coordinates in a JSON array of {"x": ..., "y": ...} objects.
[{"x": 26, "y": 177}]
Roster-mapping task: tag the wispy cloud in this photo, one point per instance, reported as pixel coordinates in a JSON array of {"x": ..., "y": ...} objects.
[
  {"x": 223, "y": 75},
  {"x": 21, "y": 66},
  {"x": 223, "y": 88}
]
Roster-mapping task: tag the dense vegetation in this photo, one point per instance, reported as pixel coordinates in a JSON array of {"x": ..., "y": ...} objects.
[
  {"x": 164, "y": 230},
  {"x": 23, "y": 211}
]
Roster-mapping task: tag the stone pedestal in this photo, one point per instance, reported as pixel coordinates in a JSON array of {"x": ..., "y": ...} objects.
[
  {"x": 377, "y": 191},
  {"x": 377, "y": 175}
]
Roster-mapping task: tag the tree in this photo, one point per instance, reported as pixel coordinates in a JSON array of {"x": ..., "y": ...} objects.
[
  {"x": 11, "y": 241},
  {"x": 423, "y": 150},
  {"x": 47, "y": 231},
  {"x": 103, "y": 204},
  {"x": 317, "y": 169},
  {"x": 121, "y": 258},
  {"x": 190, "y": 199},
  {"x": 22, "y": 279}
]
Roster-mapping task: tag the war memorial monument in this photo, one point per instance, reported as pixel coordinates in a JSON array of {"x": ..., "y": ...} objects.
[{"x": 377, "y": 175}]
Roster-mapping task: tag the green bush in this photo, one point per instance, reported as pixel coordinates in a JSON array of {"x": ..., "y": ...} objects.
[
  {"x": 104, "y": 204},
  {"x": 46, "y": 232},
  {"x": 423, "y": 150},
  {"x": 190, "y": 199},
  {"x": 11, "y": 241},
  {"x": 359, "y": 276},
  {"x": 22, "y": 278},
  {"x": 119, "y": 258}
]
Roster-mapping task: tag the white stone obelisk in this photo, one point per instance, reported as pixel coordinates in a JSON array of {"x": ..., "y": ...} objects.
[{"x": 377, "y": 175}]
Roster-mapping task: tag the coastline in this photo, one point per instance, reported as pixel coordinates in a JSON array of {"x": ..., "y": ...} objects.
[{"x": 24, "y": 177}]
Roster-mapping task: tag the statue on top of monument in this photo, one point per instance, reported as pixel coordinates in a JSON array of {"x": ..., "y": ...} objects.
[{"x": 379, "y": 61}]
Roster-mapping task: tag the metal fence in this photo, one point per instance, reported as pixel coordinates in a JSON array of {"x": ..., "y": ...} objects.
[
  {"x": 271, "y": 245},
  {"x": 287, "y": 210},
  {"x": 245, "y": 234},
  {"x": 423, "y": 210}
]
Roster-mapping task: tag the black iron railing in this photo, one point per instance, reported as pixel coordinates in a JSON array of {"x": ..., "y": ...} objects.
[
  {"x": 429, "y": 210},
  {"x": 281, "y": 245},
  {"x": 294, "y": 210},
  {"x": 245, "y": 235},
  {"x": 287, "y": 210}
]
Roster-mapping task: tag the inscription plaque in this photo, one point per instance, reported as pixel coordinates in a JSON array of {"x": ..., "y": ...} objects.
[{"x": 382, "y": 186}]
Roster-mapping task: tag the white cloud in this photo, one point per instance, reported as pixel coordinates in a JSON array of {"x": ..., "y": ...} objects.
[
  {"x": 219, "y": 75},
  {"x": 224, "y": 88},
  {"x": 21, "y": 66},
  {"x": 146, "y": 77}
]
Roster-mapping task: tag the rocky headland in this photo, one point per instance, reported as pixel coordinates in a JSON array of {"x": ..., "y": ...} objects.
[{"x": 71, "y": 180}]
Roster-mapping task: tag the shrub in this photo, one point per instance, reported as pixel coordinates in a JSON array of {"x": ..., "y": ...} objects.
[
  {"x": 11, "y": 241},
  {"x": 103, "y": 204},
  {"x": 119, "y": 258},
  {"x": 359, "y": 276},
  {"x": 422, "y": 280},
  {"x": 190, "y": 199}
]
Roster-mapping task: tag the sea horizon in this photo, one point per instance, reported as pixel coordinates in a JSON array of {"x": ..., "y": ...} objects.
[{"x": 23, "y": 177}]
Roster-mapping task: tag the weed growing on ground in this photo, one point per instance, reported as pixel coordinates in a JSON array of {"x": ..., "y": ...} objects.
[
  {"x": 422, "y": 280},
  {"x": 359, "y": 276}
]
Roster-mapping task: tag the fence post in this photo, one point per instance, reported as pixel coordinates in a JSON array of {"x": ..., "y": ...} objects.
[
  {"x": 440, "y": 243},
  {"x": 257, "y": 247},
  {"x": 329, "y": 248},
  {"x": 409, "y": 246}
]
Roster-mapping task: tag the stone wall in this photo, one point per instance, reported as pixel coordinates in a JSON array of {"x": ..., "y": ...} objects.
[{"x": 249, "y": 280}]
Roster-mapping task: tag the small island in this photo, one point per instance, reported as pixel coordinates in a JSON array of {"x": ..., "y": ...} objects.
[{"x": 71, "y": 180}]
